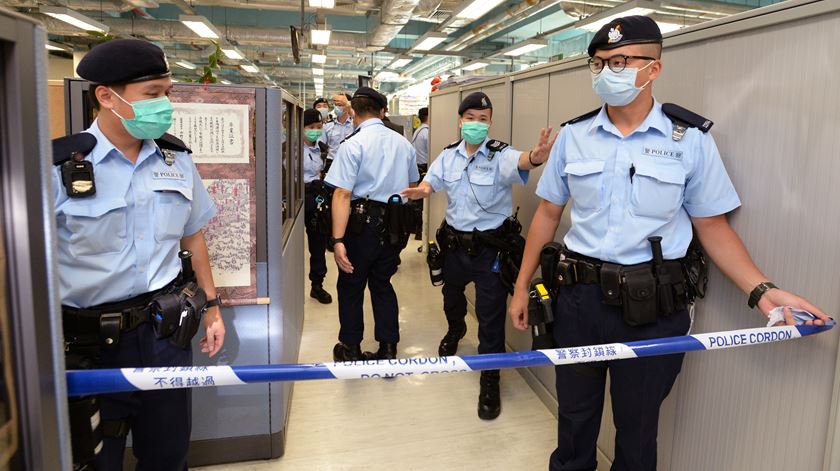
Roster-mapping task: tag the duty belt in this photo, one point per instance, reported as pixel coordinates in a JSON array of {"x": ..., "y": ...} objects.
[{"x": 470, "y": 241}]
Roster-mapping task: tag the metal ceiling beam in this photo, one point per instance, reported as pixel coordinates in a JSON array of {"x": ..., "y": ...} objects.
[{"x": 394, "y": 16}]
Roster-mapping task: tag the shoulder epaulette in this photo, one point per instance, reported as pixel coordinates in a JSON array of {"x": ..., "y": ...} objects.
[
  {"x": 684, "y": 119},
  {"x": 453, "y": 145},
  {"x": 170, "y": 142},
  {"x": 496, "y": 146},
  {"x": 64, "y": 148},
  {"x": 582, "y": 117},
  {"x": 351, "y": 135}
]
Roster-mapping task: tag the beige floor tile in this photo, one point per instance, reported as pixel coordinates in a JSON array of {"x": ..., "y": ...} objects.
[{"x": 412, "y": 423}]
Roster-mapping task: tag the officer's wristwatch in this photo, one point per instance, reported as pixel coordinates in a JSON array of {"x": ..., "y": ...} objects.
[
  {"x": 334, "y": 240},
  {"x": 217, "y": 301},
  {"x": 758, "y": 292}
]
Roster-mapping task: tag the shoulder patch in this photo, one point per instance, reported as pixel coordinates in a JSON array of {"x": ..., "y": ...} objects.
[
  {"x": 582, "y": 117},
  {"x": 454, "y": 144},
  {"x": 496, "y": 146},
  {"x": 64, "y": 148},
  {"x": 351, "y": 135},
  {"x": 680, "y": 115},
  {"x": 170, "y": 142}
]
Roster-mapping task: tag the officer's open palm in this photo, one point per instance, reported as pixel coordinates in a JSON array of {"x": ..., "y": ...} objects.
[
  {"x": 518, "y": 309},
  {"x": 777, "y": 297},
  {"x": 215, "y": 329},
  {"x": 423, "y": 190},
  {"x": 540, "y": 153},
  {"x": 340, "y": 252}
]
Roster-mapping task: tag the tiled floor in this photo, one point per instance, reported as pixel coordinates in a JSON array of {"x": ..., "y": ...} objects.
[{"x": 416, "y": 423}]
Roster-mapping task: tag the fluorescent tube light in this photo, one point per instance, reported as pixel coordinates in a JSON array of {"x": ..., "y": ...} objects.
[
  {"x": 319, "y": 58},
  {"x": 233, "y": 53},
  {"x": 200, "y": 26},
  {"x": 53, "y": 46},
  {"x": 226, "y": 82},
  {"x": 322, "y": 3},
  {"x": 318, "y": 80},
  {"x": 186, "y": 64},
  {"x": 525, "y": 47},
  {"x": 478, "y": 8},
  {"x": 668, "y": 27},
  {"x": 317, "y": 71},
  {"x": 475, "y": 65},
  {"x": 74, "y": 18},
  {"x": 321, "y": 37},
  {"x": 250, "y": 68},
  {"x": 596, "y": 25},
  {"x": 429, "y": 40},
  {"x": 400, "y": 62}
]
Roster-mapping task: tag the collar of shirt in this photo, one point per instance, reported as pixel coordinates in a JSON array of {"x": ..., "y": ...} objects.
[
  {"x": 371, "y": 122},
  {"x": 482, "y": 149},
  {"x": 104, "y": 147},
  {"x": 655, "y": 119}
]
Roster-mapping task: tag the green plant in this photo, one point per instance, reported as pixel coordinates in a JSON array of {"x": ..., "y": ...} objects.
[{"x": 212, "y": 63}]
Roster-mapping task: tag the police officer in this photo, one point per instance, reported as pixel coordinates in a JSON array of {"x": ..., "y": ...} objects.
[
  {"x": 337, "y": 130},
  {"x": 118, "y": 248},
  {"x": 478, "y": 175},
  {"x": 323, "y": 107},
  {"x": 633, "y": 169},
  {"x": 313, "y": 164},
  {"x": 370, "y": 169}
]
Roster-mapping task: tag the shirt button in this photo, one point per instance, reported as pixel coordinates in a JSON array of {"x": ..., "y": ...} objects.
[
  {"x": 142, "y": 269},
  {"x": 140, "y": 236}
]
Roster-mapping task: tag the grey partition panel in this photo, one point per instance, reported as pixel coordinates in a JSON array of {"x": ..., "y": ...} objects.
[
  {"x": 500, "y": 96},
  {"x": 443, "y": 130}
]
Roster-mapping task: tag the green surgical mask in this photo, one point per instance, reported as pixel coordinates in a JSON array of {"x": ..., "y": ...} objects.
[
  {"x": 474, "y": 132},
  {"x": 313, "y": 135},
  {"x": 152, "y": 118}
]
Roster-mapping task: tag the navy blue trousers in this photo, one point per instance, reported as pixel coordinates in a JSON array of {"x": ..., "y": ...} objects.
[
  {"x": 374, "y": 263},
  {"x": 637, "y": 386},
  {"x": 160, "y": 420},
  {"x": 317, "y": 242},
  {"x": 460, "y": 269}
]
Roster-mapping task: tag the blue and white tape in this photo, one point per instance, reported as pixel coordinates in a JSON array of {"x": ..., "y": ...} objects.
[{"x": 104, "y": 381}]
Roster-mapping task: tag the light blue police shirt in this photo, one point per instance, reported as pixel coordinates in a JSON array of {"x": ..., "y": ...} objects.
[
  {"x": 334, "y": 133},
  {"x": 420, "y": 141},
  {"x": 479, "y": 188},
  {"x": 612, "y": 214},
  {"x": 124, "y": 241},
  {"x": 312, "y": 163},
  {"x": 374, "y": 163}
]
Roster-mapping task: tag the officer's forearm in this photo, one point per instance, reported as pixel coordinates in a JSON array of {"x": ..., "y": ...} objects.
[
  {"x": 525, "y": 162},
  {"x": 727, "y": 250},
  {"x": 200, "y": 262},
  {"x": 340, "y": 211},
  {"x": 542, "y": 230}
]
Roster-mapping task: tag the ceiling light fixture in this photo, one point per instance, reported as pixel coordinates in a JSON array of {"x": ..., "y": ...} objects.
[
  {"x": 668, "y": 27},
  {"x": 233, "y": 53},
  {"x": 226, "y": 82},
  {"x": 317, "y": 71},
  {"x": 250, "y": 68},
  {"x": 321, "y": 37},
  {"x": 74, "y": 18},
  {"x": 186, "y": 64},
  {"x": 477, "y": 8},
  {"x": 637, "y": 7},
  {"x": 429, "y": 40},
  {"x": 526, "y": 47},
  {"x": 200, "y": 26},
  {"x": 53, "y": 46},
  {"x": 475, "y": 65},
  {"x": 319, "y": 58},
  {"x": 400, "y": 62},
  {"x": 322, "y": 3}
]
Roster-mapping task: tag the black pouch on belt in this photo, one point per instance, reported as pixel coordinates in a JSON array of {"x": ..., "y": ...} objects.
[
  {"x": 394, "y": 220},
  {"x": 611, "y": 284},
  {"x": 193, "y": 305},
  {"x": 358, "y": 215},
  {"x": 638, "y": 295},
  {"x": 85, "y": 428}
]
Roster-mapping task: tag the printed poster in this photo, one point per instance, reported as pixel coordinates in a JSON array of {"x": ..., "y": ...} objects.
[{"x": 217, "y": 133}]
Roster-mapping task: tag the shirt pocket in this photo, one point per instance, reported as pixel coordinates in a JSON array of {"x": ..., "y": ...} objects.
[
  {"x": 173, "y": 206},
  {"x": 96, "y": 226},
  {"x": 657, "y": 191},
  {"x": 482, "y": 185},
  {"x": 586, "y": 184}
]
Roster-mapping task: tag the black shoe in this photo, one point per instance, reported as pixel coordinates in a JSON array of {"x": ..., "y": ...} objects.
[
  {"x": 449, "y": 343},
  {"x": 344, "y": 352},
  {"x": 387, "y": 351},
  {"x": 489, "y": 399},
  {"x": 320, "y": 294}
]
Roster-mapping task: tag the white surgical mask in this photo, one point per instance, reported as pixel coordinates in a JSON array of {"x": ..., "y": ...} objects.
[
  {"x": 339, "y": 111},
  {"x": 618, "y": 89},
  {"x": 324, "y": 112}
]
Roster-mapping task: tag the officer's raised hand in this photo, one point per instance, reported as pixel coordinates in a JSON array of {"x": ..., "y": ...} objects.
[
  {"x": 423, "y": 190},
  {"x": 539, "y": 154}
]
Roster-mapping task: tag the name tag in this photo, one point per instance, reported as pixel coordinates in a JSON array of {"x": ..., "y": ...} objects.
[
  {"x": 485, "y": 168},
  {"x": 668, "y": 154},
  {"x": 168, "y": 175}
]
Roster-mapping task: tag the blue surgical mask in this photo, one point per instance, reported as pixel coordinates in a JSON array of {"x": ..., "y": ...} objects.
[
  {"x": 618, "y": 89},
  {"x": 339, "y": 111},
  {"x": 152, "y": 118}
]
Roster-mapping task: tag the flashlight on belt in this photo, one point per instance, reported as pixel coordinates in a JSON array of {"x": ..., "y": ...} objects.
[{"x": 540, "y": 316}]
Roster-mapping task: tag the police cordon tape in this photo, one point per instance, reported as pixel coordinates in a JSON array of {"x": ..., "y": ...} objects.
[{"x": 104, "y": 381}]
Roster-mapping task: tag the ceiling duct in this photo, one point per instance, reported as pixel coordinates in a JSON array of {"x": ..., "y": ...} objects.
[
  {"x": 505, "y": 20},
  {"x": 394, "y": 16}
]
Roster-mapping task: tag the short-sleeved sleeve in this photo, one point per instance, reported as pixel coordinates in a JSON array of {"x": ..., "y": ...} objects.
[
  {"x": 345, "y": 168},
  {"x": 203, "y": 207},
  {"x": 553, "y": 186},
  {"x": 413, "y": 172},
  {"x": 708, "y": 190},
  {"x": 509, "y": 172},
  {"x": 434, "y": 176}
]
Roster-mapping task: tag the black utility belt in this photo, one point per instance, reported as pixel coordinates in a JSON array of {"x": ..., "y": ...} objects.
[
  {"x": 175, "y": 312},
  {"x": 451, "y": 239},
  {"x": 397, "y": 219},
  {"x": 645, "y": 291}
]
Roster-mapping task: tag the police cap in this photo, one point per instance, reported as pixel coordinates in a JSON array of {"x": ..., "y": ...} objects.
[
  {"x": 475, "y": 101},
  {"x": 625, "y": 31},
  {"x": 311, "y": 116},
  {"x": 319, "y": 101},
  {"x": 123, "y": 61},
  {"x": 368, "y": 92}
]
